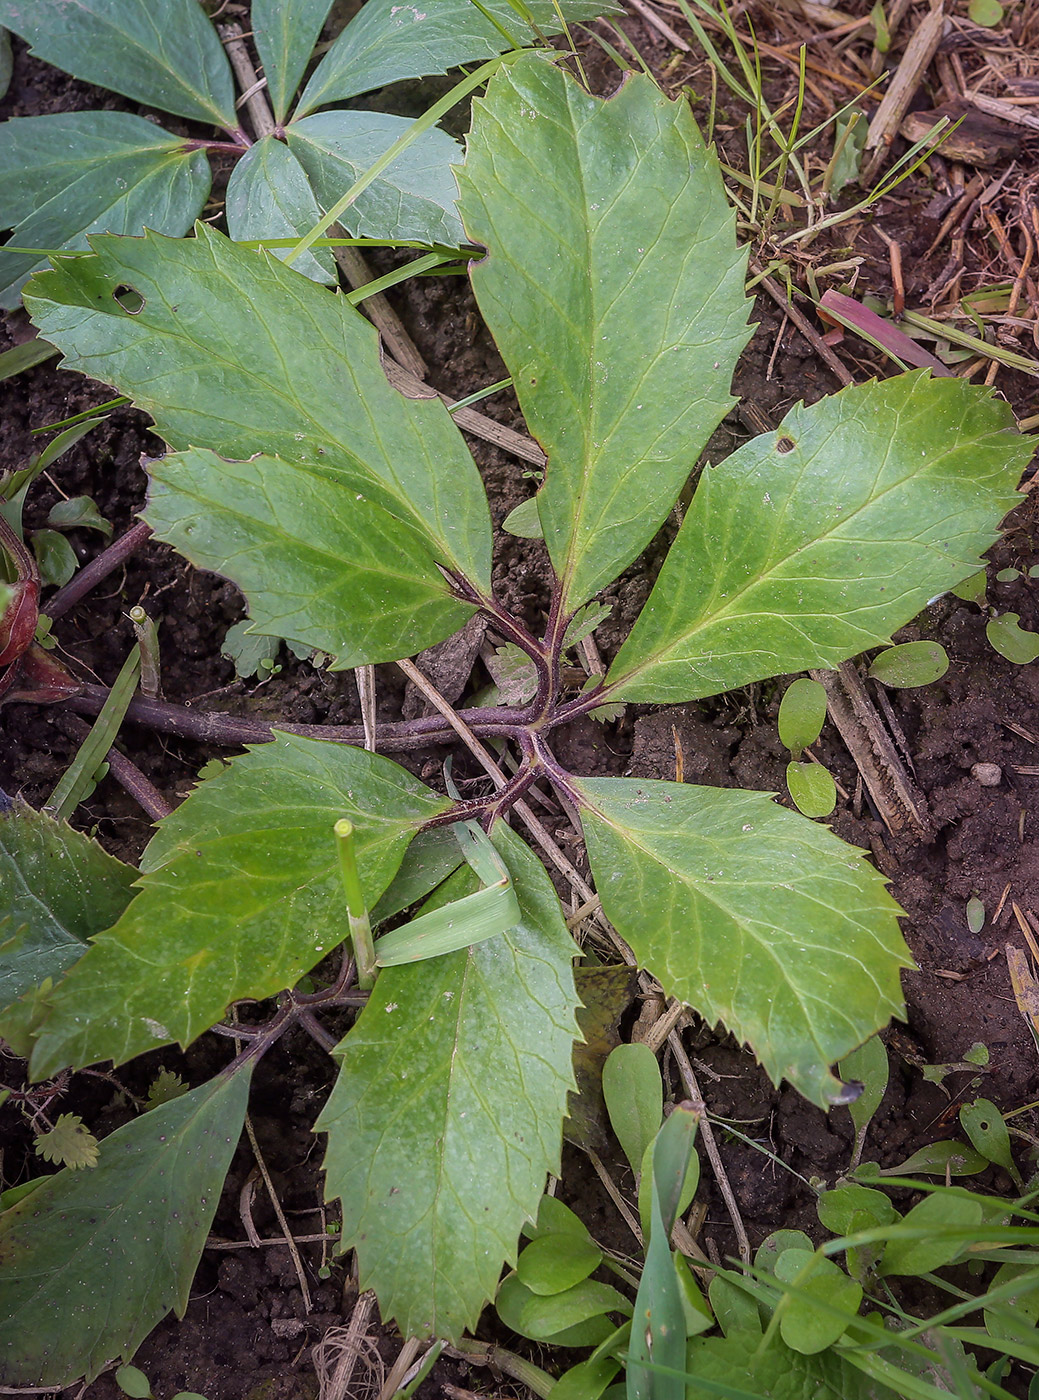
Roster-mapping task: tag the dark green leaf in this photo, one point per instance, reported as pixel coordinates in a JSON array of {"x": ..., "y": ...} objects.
[
  {"x": 58, "y": 888},
  {"x": 55, "y": 556},
  {"x": 388, "y": 42},
  {"x": 413, "y": 198},
  {"x": 269, "y": 196},
  {"x": 751, "y": 914},
  {"x": 317, "y": 564},
  {"x": 802, "y": 713},
  {"x": 812, "y": 788},
  {"x": 848, "y": 1209},
  {"x": 285, "y": 32},
  {"x": 868, "y": 1066},
  {"x": 983, "y": 1123},
  {"x": 911, "y": 664},
  {"x": 94, "y": 1260},
  {"x": 65, "y": 176},
  {"x": 6, "y": 62},
  {"x": 241, "y": 895},
  {"x": 940, "y": 1159},
  {"x": 78, "y": 513},
  {"x": 235, "y": 353},
  {"x": 429, "y": 860},
  {"x": 164, "y": 53},
  {"x": 809, "y": 545},
  {"x": 443, "y": 1124},
  {"x": 614, "y": 290}
]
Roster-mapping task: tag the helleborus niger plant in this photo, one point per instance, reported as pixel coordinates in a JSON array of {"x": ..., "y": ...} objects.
[{"x": 354, "y": 521}]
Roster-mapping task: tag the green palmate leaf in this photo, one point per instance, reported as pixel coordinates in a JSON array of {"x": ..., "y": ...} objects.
[
  {"x": 388, "y": 41},
  {"x": 241, "y": 896},
  {"x": 69, "y": 1142},
  {"x": 751, "y": 914},
  {"x": 269, "y": 196},
  {"x": 57, "y": 889},
  {"x": 233, "y": 352},
  {"x": 809, "y": 545},
  {"x": 94, "y": 1259},
  {"x": 443, "y": 1124},
  {"x": 64, "y": 176},
  {"x": 413, "y": 198},
  {"x": 285, "y": 32},
  {"x": 318, "y": 565},
  {"x": 164, "y": 53},
  {"x": 614, "y": 289}
]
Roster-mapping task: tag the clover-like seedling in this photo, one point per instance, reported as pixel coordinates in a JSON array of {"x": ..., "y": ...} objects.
[{"x": 355, "y": 522}]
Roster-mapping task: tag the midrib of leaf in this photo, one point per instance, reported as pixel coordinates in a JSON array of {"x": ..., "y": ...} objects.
[
  {"x": 124, "y": 38},
  {"x": 762, "y": 578}
]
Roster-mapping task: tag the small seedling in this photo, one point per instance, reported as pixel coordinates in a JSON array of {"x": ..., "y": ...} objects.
[{"x": 354, "y": 521}]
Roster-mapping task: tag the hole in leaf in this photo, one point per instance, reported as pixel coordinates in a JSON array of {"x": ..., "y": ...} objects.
[
  {"x": 785, "y": 445},
  {"x": 129, "y": 298}
]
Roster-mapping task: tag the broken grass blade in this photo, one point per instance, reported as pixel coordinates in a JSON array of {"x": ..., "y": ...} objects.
[
  {"x": 24, "y": 356},
  {"x": 472, "y": 919},
  {"x": 76, "y": 782},
  {"x": 941, "y": 331},
  {"x": 399, "y": 274},
  {"x": 88, "y": 414},
  {"x": 356, "y": 909}
]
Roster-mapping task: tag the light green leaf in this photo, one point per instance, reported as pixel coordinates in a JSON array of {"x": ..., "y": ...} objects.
[
  {"x": 448, "y": 1110},
  {"x": 849, "y": 141},
  {"x": 241, "y": 896},
  {"x": 553, "y": 1263},
  {"x": 809, "y": 545},
  {"x": 69, "y": 1142},
  {"x": 867, "y": 1065},
  {"x": 75, "y": 173},
  {"x": 614, "y": 290},
  {"x": 634, "y": 1094},
  {"x": 132, "y": 1381},
  {"x": 972, "y": 590},
  {"x": 805, "y": 1326},
  {"x": 317, "y": 564},
  {"x": 943, "y": 1211},
  {"x": 983, "y": 1123},
  {"x": 413, "y": 198},
  {"x": 58, "y": 888},
  {"x": 988, "y": 13},
  {"x": 543, "y": 1318},
  {"x": 751, "y": 914},
  {"x": 388, "y": 42},
  {"x": 1006, "y": 635},
  {"x": 429, "y": 860},
  {"x": 164, "y": 53},
  {"x": 524, "y": 521},
  {"x": 112, "y": 1250},
  {"x": 812, "y": 788},
  {"x": 848, "y": 1209},
  {"x": 911, "y": 664},
  {"x": 285, "y": 32},
  {"x": 269, "y": 196},
  {"x": 802, "y": 713},
  {"x": 236, "y": 353},
  {"x": 253, "y": 653}
]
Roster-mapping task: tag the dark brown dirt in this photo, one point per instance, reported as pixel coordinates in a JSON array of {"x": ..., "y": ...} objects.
[{"x": 247, "y": 1335}]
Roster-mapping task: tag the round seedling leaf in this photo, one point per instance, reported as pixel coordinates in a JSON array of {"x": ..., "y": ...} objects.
[
  {"x": 825, "y": 1302},
  {"x": 802, "y": 713},
  {"x": 972, "y": 589},
  {"x": 553, "y": 1263},
  {"x": 1008, "y": 575},
  {"x": 987, "y": 13},
  {"x": 911, "y": 664},
  {"x": 812, "y": 788},
  {"x": 848, "y": 1209},
  {"x": 133, "y": 1382},
  {"x": 772, "y": 1246},
  {"x": 1010, "y": 639}
]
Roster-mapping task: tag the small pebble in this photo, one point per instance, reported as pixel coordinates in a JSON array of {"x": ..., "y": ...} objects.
[{"x": 987, "y": 774}]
